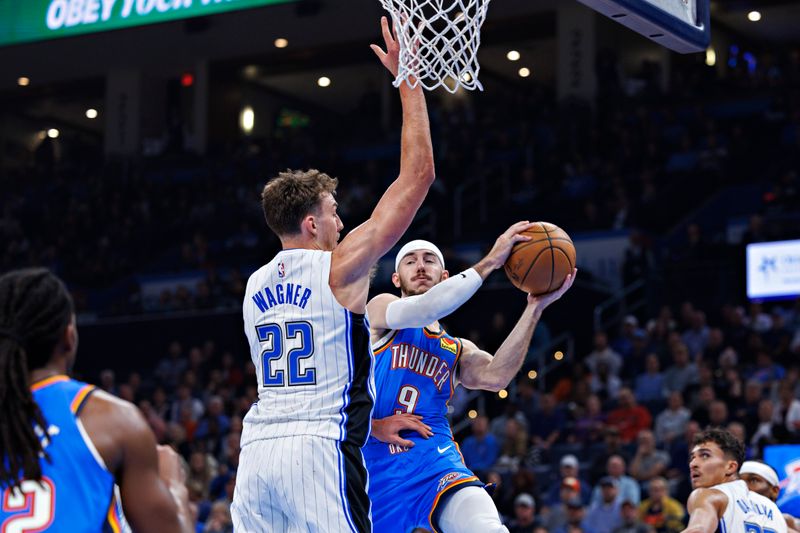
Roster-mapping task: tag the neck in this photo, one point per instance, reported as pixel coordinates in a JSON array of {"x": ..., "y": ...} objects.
[
  {"x": 47, "y": 371},
  {"x": 299, "y": 241}
]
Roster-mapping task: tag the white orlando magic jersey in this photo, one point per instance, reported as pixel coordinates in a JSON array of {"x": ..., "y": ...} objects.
[
  {"x": 748, "y": 512},
  {"x": 312, "y": 356}
]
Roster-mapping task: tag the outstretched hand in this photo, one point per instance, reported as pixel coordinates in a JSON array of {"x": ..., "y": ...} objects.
[
  {"x": 391, "y": 57},
  {"x": 388, "y": 429},
  {"x": 543, "y": 300}
]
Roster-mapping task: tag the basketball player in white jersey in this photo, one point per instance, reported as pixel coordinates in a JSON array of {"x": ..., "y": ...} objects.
[
  {"x": 720, "y": 500},
  {"x": 763, "y": 479},
  {"x": 301, "y": 467}
]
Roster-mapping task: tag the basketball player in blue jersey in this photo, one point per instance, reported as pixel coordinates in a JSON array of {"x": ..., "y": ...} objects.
[
  {"x": 301, "y": 466},
  {"x": 421, "y": 481},
  {"x": 64, "y": 444}
]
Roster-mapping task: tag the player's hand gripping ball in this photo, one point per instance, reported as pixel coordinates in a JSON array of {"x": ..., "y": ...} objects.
[{"x": 541, "y": 264}]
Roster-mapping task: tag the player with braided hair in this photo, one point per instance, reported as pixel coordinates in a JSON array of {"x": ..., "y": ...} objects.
[{"x": 64, "y": 445}]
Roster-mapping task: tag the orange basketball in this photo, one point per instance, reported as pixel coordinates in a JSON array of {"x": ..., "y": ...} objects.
[{"x": 540, "y": 265}]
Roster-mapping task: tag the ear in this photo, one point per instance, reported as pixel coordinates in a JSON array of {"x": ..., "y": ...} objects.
[
  {"x": 774, "y": 492},
  {"x": 309, "y": 225},
  {"x": 396, "y": 280},
  {"x": 732, "y": 468},
  {"x": 445, "y": 275}
]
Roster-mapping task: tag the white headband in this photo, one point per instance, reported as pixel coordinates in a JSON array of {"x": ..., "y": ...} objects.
[
  {"x": 760, "y": 469},
  {"x": 413, "y": 246}
]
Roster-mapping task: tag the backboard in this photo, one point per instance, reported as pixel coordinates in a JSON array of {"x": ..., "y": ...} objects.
[{"x": 680, "y": 25}]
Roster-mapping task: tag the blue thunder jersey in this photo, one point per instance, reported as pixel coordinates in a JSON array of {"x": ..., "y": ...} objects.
[
  {"x": 414, "y": 373},
  {"x": 77, "y": 492}
]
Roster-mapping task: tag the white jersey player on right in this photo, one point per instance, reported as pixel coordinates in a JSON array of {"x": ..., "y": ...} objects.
[
  {"x": 301, "y": 467},
  {"x": 721, "y": 501}
]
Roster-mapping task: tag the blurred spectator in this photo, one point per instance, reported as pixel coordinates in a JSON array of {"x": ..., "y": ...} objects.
[
  {"x": 576, "y": 519},
  {"x": 648, "y": 462},
  {"x": 547, "y": 423},
  {"x": 663, "y": 513},
  {"x": 219, "y": 519},
  {"x": 718, "y": 414},
  {"x": 681, "y": 373},
  {"x": 480, "y": 449},
  {"x": 525, "y": 519},
  {"x": 787, "y": 410},
  {"x": 590, "y": 422},
  {"x": 629, "y": 417},
  {"x": 568, "y": 472},
  {"x": 170, "y": 369},
  {"x": 605, "y": 516},
  {"x": 650, "y": 385},
  {"x": 627, "y": 487},
  {"x": 696, "y": 337},
  {"x": 630, "y": 520},
  {"x": 610, "y": 447},
  {"x": 671, "y": 422},
  {"x": 515, "y": 445},
  {"x": 603, "y": 353},
  {"x": 555, "y": 515}
]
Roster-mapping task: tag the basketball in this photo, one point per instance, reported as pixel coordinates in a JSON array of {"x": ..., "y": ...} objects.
[{"x": 540, "y": 265}]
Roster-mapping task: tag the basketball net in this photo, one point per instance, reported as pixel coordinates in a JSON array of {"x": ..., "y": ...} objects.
[{"x": 439, "y": 41}]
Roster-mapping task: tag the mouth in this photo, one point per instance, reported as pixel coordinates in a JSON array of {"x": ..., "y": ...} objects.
[{"x": 421, "y": 278}]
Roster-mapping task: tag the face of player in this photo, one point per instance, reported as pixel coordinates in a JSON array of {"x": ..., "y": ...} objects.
[
  {"x": 758, "y": 484},
  {"x": 418, "y": 272},
  {"x": 327, "y": 223},
  {"x": 708, "y": 466}
]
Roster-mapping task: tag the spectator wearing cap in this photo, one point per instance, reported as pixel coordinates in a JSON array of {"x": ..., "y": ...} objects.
[
  {"x": 628, "y": 488},
  {"x": 629, "y": 417},
  {"x": 663, "y": 513},
  {"x": 576, "y": 518},
  {"x": 480, "y": 449},
  {"x": 649, "y": 462},
  {"x": 763, "y": 479},
  {"x": 568, "y": 473},
  {"x": 605, "y": 515},
  {"x": 555, "y": 516},
  {"x": 630, "y": 520},
  {"x": 525, "y": 519}
]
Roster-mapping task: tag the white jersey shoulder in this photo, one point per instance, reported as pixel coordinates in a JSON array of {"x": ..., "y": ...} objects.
[
  {"x": 301, "y": 344},
  {"x": 748, "y": 512}
]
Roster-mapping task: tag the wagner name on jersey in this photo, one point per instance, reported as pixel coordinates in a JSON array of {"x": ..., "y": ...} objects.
[
  {"x": 312, "y": 356},
  {"x": 748, "y": 512}
]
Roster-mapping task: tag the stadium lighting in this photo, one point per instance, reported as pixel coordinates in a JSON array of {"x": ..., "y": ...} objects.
[
  {"x": 280, "y": 42},
  {"x": 711, "y": 57},
  {"x": 558, "y": 356},
  {"x": 472, "y": 413},
  {"x": 91, "y": 113},
  {"x": 247, "y": 119},
  {"x": 754, "y": 16},
  {"x": 524, "y": 72},
  {"x": 532, "y": 374},
  {"x": 513, "y": 55},
  {"x": 22, "y": 81},
  {"x": 324, "y": 81},
  {"x": 502, "y": 394},
  {"x": 53, "y": 133}
]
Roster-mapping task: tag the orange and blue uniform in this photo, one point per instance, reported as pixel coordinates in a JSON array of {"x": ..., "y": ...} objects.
[
  {"x": 77, "y": 492},
  {"x": 414, "y": 373}
]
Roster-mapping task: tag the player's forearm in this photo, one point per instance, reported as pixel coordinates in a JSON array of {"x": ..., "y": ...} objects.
[
  {"x": 509, "y": 357},
  {"x": 416, "y": 148}
]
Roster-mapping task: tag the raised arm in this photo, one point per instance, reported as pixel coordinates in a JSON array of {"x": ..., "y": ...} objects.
[
  {"x": 479, "y": 370},
  {"x": 151, "y": 480},
  {"x": 387, "y": 311},
  {"x": 705, "y": 507},
  {"x": 363, "y": 246}
]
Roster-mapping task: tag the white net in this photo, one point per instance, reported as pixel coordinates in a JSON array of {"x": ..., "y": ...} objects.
[{"x": 439, "y": 41}]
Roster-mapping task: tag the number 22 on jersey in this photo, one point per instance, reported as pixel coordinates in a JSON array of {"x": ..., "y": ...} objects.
[{"x": 275, "y": 367}]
